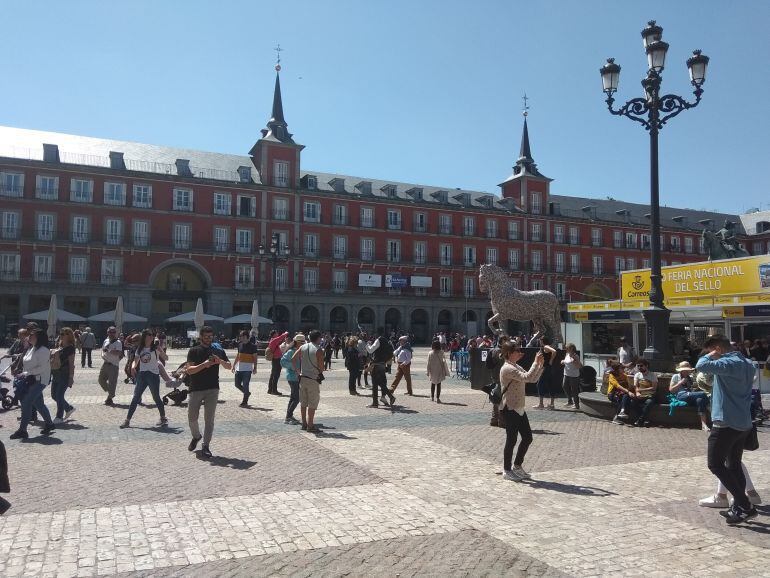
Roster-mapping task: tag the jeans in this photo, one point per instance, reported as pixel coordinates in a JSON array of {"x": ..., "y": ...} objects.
[
  {"x": 353, "y": 376},
  {"x": 108, "y": 378},
  {"x": 293, "y": 398},
  {"x": 544, "y": 384},
  {"x": 242, "y": 379},
  {"x": 697, "y": 398},
  {"x": 621, "y": 400},
  {"x": 571, "y": 387},
  {"x": 643, "y": 406},
  {"x": 379, "y": 382},
  {"x": 145, "y": 379},
  {"x": 59, "y": 382},
  {"x": 516, "y": 424},
  {"x": 208, "y": 399},
  {"x": 33, "y": 400},
  {"x": 83, "y": 354},
  {"x": 725, "y": 451},
  {"x": 275, "y": 373}
]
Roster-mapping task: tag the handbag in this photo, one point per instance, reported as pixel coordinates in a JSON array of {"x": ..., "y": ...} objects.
[
  {"x": 497, "y": 393},
  {"x": 751, "y": 442}
]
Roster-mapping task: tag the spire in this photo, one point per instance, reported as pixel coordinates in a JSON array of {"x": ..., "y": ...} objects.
[
  {"x": 277, "y": 103},
  {"x": 524, "y": 151},
  {"x": 277, "y": 128},
  {"x": 525, "y": 164}
]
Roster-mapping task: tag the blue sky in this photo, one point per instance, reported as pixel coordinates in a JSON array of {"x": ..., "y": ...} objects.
[{"x": 426, "y": 92}]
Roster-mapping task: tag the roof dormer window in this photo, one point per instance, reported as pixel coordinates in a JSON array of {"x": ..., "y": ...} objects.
[
  {"x": 244, "y": 174},
  {"x": 365, "y": 187},
  {"x": 390, "y": 191},
  {"x": 312, "y": 182},
  {"x": 337, "y": 184}
]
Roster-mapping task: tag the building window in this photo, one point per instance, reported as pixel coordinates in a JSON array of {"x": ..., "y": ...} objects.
[
  {"x": 574, "y": 263},
  {"x": 183, "y": 200},
  {"x": 312, "y": 182},
  {"x": 537, "y": 232},
  {"x": 513, "y": 259},
  {"x": 630, "y": 240},
  {"x": 281, "y": 174},
  {"x": 756, "y": 247},
  {"x": 536, "y": 203},
  {"x": 247, "y": 206},
  {"x": 558, "y": 233},
  {"x": 340, "y": 246},
  {"x": 445, "y": 224},
  {"x": 469, "y": 226},
  {"x": 537, "y": 260},
  {"x": 630, "y": 264},
  {"x": 244, "y": 173},
  {"x": 559, "y": 262},
  {"x": 243, "y": 241},
  {"x": 141, "y": 233},
  {"x": 113, "y": 232},
  {"x": 47, "y": 187},
  {"x": 11, "y": 184},
  {"x": 221, "y": 239},
  {"x": 367, "y": 217},
  {"x": 312, "y": 212},
  {"x": 367, "y": 249},
  {"x": 598, "y": 265},
  {"x": 340, "y": 283},
  {"x": 469, "y": 286},
  {"x": 445, "y": 286},
  {"x": 311, "y": 245},
  {"x": 111, "y": 271},
  {"x": 280, "y": 209},
  {"x": 420, "y": 252},
  {"x": 244, "y": 277},
  {"x": 222, "y": 203},
  {"x": 9, "y": 266},
  {"x": 394, "y": 251},
  {"x": 469, "y": 256},
  {"x": 281, "y": 276},
  {"x": 561, "y": 291},
  {"x": 492, "y": 255},
  {"x": 688, "y": 244},
  {"x": 340, "y": 216},
  {"x": 11, "y": 225},
  {"x": 617, "y": 239},
  {"x": 182, "y": 236},
  {"x": 645, "y": 263},
  {"x": 310, "y": 278},
  {"x": 675, "y": 244},
  {"x": 645, "y": 241},
  {"x": 80, "y": 229},
  {"x": 394, "y": 219},
  {"x": 45, "y": 227},
  {"x": 491, "y": 229},
  {"x": 513, "y": 230},
  {"x": 619, "y": 262},
  {"x": 115, "y": 194},
  {"x": 702, "y": 246},
  {"x": 78, "y": 269},
  {"x": 143, "y": 196},
  {"x": 574, "y": 236},
  {"x": 43, "y": 268},
  {"x": 445, "y": 251},
  {"x": 420, "y": 223},
  {"x": 81, "y": 191},
  {"x": 537, "y": 285}
]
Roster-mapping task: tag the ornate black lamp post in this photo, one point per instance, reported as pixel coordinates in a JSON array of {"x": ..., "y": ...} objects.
[
  {"x": 275, "y": 253},
  {"x": 653, "y": 111}
]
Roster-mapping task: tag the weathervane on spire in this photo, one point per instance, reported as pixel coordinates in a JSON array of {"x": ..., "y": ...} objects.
[
  {"x": 525, "y": 98},
  {"x": 278, "y": 51}
]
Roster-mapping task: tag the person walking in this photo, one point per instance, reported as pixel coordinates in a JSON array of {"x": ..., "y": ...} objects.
[
  {"x": 353, "y": 363},
  {"x": 63, "y": 376},
  {"x": 381, "y": 352},
  {"x": 571, "y": 381},
  {"x": 403, "y": 355},
  {"x": 203, "y": 363},
  {"x": 308, "y": 362},
  {"x": 513, "y": 379},
  {"x": 292, "y": 377},
  {"x": 273, "y": 352},
  {"x": 245, "y": 365},
  {"x": 112, "y": 353},
  {"x": 145, "y": 371},
  {"x": 437, "y": 369},
  {"x": 87, "y": 345},
  {"x": 37, "y": 364},
  {"x": 731, "y": 421}
]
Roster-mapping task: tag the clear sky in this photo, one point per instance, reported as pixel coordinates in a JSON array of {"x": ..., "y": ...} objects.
[{"x": 420, "y": 91}]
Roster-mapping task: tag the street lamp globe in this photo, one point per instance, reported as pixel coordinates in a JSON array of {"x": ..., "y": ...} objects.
[
  {"x": 656, "y": 55},
  {"x": 697, "y": 65},
  {"x": 261, "y": 249},
  {"x": 653, "y": 33},
  {"x": 610, "y": 76}
]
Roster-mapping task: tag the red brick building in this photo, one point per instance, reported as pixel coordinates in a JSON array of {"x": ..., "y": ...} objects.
[{"x": 90, "y": 219}]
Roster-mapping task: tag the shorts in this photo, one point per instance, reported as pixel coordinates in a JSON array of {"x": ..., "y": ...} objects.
[{"x": 309, "y": 392}]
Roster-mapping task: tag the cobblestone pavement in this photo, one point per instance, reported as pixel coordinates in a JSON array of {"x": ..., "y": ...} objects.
[{"x": 413, "y": 490}]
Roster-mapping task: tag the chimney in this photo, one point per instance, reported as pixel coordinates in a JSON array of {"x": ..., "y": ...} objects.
[
  {"x": 116, "y": 161},
  {"x": 51, "y": 153},
  {"x": 183, "y": 168}
]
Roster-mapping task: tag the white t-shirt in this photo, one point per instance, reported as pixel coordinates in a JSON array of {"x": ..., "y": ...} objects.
[
  {"x": 571, "y": 367},
  {"x": 148, "y": 360},
  {"x": 625, "y": 355},
  {"x": 114, "y": 349}
]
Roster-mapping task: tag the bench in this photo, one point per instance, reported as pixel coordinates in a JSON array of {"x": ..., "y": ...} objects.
[{"x": 596, "y": 404}]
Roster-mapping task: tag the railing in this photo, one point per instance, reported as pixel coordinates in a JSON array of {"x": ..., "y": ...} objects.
[
  {"x": 81, "y": 196},
  {"x": 513, "y": 235},
  {"x": 366, "y": 256},
  {"x": 367, "y": 223},
  {"x": 311, "y": 287},
  {"x": 221, "y": 247},
  {"x": 141, "y": 240},
  {"x": 182, "y": 243},
  {"x": 394, "y": 225},
  {"x": 558, "y": 240},
  {"x": 418, "y": 228},
  {"x": 142, "y": 204},
  {"x": 80, "y": 237},
  {"x": 113, "y": 239},
  {"x": 445, "y": 230},
  {"x": 46, "y": 193},
  {"x": 394, "y": 258},
  {"x": 10, "y": 232},
  {"x": 312, "y": 218},
  {"x": 280, "y": 215},
  {"x": 419, "y": 260},
  {"x": 491, "y": 233},
  {"x": 225, "y": 211},
  {"x": 469, "y": 232},
  {"x": 340, "y": 220},
  {"x": 111, "y": 279},
  {"x": 447, "y": 262},
  {"x": 9, "y": 275},
  {"x": 243, "y": 248},
  {"x": 310, "y": 253},
  {"x": 78, "y": 277},
  {"x": 182, "y": 207},
  {"x": 11, "y": 191},
  {"x": 244, "y": 285},
  {"x": 340, "y": 254},
  {"x": 43, "y": 276}
]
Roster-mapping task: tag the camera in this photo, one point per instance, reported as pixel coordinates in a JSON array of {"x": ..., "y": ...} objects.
[{"x": 320, "y": 378}]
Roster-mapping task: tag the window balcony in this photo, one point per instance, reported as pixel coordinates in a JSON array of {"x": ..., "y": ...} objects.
[
  {"x": 367, "y": 223},
  {"x": 10, "y": 232},
  {"x": 537, "y": 238},
  {"x": 6, "y": 191},
  {"x": 340, "y": 220},
  {"x": 243, "y": 284},
  {"x": 44, "y": 234},
  {"x": 113, "y": 239},
  {"x": 43, "y": 276},
  {"x": 280, "y": 214},
  {"x": 243, "y": 248},
  {"x": 630, "y": 245},
  {"x": 78, "y": 278},
  {"x": 513, "y": 235},
  {"x": 469, "y": 292},
  {"x": 182, "y": 243},
  {"x": 313, "y": 253},
  {"x": 221, "y": 247},
  {"x": 420, "y": 228},
  {"x": 469, "y": 262},
  {"x": 141, "y": 240},
  {"x": 445, "y": 230},
  {"x": 80, "y": 237},
  {"x": 312, "y": 218},
  {"x": 9, "y": 275},
  {"x": 445, "y": 293},
  {"x": 183, "y": 207},
  {"x": 419, "y": 259},
  {"x": 339, "y": 289},
  {"x": 225, "y": 211},
  {"x": 513, "y": 265},
  {"x": 367, "y": 256},
  {"x": 469, "y": 232},
  {"x": 340, "y": 255},
  {"x": 558, "y": 239},
  {"x": 394, "y": 258},
  {"x": 446, "y": 261},
  {"x": 311, "y": 287},
  {"x": 47, "y": 193},
  {"x": 111, "y": 279},
  {"x": 491, "y": 233},
  {"x": 394, "y": 225}
]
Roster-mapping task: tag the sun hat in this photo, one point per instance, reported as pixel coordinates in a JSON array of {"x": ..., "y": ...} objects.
[
  {"x": 300, "y": 338},
  {"x": 684, "y": 366}
]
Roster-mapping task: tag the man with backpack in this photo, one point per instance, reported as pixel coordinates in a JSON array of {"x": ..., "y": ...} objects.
[
  {"x": 381, "y": 352},
  {"x": 112, "y": 353}
]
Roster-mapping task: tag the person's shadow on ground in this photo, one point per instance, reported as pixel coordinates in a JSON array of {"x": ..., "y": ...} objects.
[
  {"x": 225, "y": 462},
  {"x": 162, "y": 429},
  {"x": 569, "y": 488}
]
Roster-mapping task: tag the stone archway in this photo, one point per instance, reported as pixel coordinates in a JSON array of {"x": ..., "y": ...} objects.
[
  {"x": 338, "y": 320},
  {"x": 418, "y": 325},
  {"x": 281, "y": 317},
  {"x": 444, "y": 321},
  {"x": 177, "y": 284},
  {"x": 392, "y": 320},
  {"x": 366, "y": 319},
  {"x": 309, "y": 318}
]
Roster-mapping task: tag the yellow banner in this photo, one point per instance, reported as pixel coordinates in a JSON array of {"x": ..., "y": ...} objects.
[
  {"x": 720, "y": 281},
  {"x": 728, "y": 312}
]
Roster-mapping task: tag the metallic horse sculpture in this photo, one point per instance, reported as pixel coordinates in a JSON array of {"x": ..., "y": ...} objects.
[
  {"x": 722, "y": 244},
  {"x": 540, "y": 307}
]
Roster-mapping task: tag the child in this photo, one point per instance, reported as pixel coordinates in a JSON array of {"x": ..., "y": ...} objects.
[{"x": 437, "y": 370}]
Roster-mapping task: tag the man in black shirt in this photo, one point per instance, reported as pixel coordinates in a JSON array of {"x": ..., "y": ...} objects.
[{"x": 203, "y": 363}]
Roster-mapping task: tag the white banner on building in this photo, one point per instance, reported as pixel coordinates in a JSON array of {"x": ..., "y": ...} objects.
[
  {"x": 421, "y": 281},
  {"x": 369, "y": 280}
]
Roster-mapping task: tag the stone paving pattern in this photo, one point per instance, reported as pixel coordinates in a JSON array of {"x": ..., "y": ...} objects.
[{"x": 414, "y": 491}]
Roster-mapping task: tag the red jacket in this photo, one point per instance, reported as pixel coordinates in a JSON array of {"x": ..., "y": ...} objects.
[{"x": 275, "y": 344}]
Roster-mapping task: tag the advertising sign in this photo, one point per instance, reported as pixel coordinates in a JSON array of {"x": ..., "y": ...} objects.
[
  {"x": 369, "y": 280},
  {"x": 421, "y": 281},
  {"x": 395, "y": 281}
]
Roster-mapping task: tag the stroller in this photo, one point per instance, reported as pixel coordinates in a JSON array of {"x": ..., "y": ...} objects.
[{"x": 179, "y": 393}]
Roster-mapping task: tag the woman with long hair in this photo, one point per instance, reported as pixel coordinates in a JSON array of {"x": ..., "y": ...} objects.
[
  {"x": 571, "y": 382},
  {"x": 37, "y": 364},
  {"x": 63, "y": 377},
  {"x": 146, "y": 372},
  {"x": 544, "y": 387},
  {"x": 437, "y": 369}
]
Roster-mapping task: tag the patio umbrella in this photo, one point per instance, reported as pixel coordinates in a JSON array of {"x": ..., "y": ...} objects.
[
  {"x": 245, "y": 318},
  {"x": 52, "y": 318},
  {"x": 109, "y": 317},
  {"x": 254, "y": 316},
  {"x": 199, "y": 315},
  {"x": 189, "y": 317},
  {"x": 119, "y": 314},
  {"x": 61, "y": 315}
]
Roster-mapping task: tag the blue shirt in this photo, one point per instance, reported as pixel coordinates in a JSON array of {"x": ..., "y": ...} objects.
[
  {"x": 731, "y": 398},
  {"x": 291, "y": 375}
]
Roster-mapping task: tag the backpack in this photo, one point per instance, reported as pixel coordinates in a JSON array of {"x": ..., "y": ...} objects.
[
  {"x": 269, "y": 354},
  {"x": 55, "y": 359}
]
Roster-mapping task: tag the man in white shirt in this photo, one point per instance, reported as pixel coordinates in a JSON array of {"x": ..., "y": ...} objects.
[
  {"x": 625, "y": 353},
  {"x": 403, "y": 355},
  {"x": 112, "y": 353}
]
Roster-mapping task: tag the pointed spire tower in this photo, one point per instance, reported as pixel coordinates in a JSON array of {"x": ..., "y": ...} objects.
[
  {"x": 276, "y": 156},
  {"x": 527, "y": 186}
]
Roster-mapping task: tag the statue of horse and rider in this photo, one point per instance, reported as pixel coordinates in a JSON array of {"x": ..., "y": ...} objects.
[{"x": 723, "y": 244}]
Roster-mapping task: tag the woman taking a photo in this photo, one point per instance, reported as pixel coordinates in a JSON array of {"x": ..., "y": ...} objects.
[
  {"x": 63, "y": 377},
  {"x": 571, "y": 383},
  {"x": 37, "y": 363},
  {"x": 146, "y": 372},
  {"x": 544, "y": 388},
  {"x": 513, "y": 379}
]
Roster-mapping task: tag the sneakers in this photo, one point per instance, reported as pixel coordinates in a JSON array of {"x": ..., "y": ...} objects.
[
  {"x": 737, "y": 515},
  {"x": 374, "y": 405},
  {"x": 125, "y": 424},
  {"x": 538, "y": 406},
  {"x": 715, "y": 501},
  {"x": 623, "y": 415},
  {"x": 568, "y": 404},
  {"x": 392, "y": 399},
  {"x": 109, "y": 402},
  {"x": 163, "y": 422},
  {"x": 754, "y": 498},
  {"x": 48, "y": 429},
  {"x": 521, "y": 472},
  {"x": 384, "y": 400},
  {"x": 19, "y": 434},
  {"x": 193, "y": 444},
  {"x": 58, "y": 420},
  {"x": 511, "y": 476},
  {"x": 617, "y": 421},
  {"x": 68, "y": 413},
  {"x": 291, "y": 420},
  {"x": 244, "y": 403},
  {"x": 704, "y": 427},
  {"x": 206, "y": 452}
]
